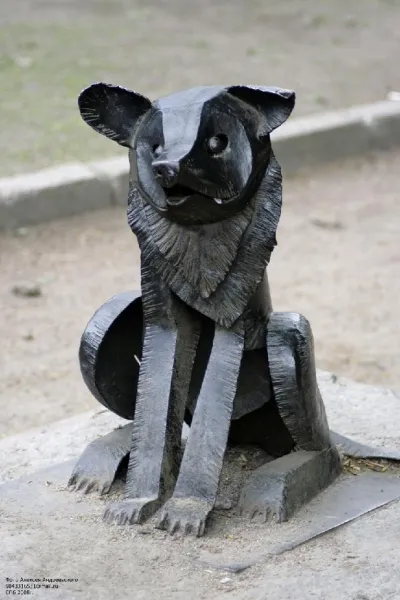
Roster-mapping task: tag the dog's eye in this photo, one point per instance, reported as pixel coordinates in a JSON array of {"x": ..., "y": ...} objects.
[{"x": 217, "y": 144}]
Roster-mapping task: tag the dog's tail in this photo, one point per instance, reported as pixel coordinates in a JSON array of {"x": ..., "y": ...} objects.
[{"x": 355, "y": 449}]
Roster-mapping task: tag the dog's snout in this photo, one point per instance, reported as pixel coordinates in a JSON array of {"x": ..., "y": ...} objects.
[{"x": 166, "y": 172}]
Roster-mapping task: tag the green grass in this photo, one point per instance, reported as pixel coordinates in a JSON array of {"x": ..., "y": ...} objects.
[
  {"x": 50, "y": 51},
  {"x": 42, "y": 70}
]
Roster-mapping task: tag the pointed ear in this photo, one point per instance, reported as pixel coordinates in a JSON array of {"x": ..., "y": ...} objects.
[
  {"x": 275, "y": 104},
  {"x": 112, "y": 111}
]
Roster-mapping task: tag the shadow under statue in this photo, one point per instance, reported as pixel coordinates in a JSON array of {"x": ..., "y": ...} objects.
[{"x": 201, "y": 343}]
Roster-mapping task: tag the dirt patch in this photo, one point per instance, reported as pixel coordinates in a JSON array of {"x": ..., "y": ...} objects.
[
  {"x": 337, "y": 262},
  {"x": 334, "y": 54},
  {"x": 48, "y": 532}
]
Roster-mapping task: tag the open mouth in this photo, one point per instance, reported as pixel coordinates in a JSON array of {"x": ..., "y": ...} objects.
[{"x": 178, "y": 194}]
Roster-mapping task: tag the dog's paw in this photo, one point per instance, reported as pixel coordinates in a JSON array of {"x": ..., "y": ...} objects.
[
  {"x": 92, "y": 479},
  {"x": 185, "y": 515},
  {"x": 130, "y": 511}
]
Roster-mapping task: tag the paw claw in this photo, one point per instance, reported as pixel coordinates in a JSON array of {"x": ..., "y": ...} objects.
[
  {"x": 201, "y": 529},
  {"x": 265, "y": 514},
  {"x": 173, "y": 528},
  {"x": 89, "y": 487},
  {"x": 162, "y": 522},
  {"x": 187, "y": 515},
  {"x": 188, "y": 528},
  {"x": 81, "y": 484},
  {"x": 88, "y": 483},
  {"x": 130, "y": 511},
  {"x": 122, "y": 519},
  {"x": 71, "y": 482},
  {"x": 105, "y": 489}
]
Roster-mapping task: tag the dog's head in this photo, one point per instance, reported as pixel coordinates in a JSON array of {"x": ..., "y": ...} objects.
[{"x": 195, "y": 155}]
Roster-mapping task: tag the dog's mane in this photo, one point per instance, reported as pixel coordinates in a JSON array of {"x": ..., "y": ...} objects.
[{"x": 213, "y": 268}]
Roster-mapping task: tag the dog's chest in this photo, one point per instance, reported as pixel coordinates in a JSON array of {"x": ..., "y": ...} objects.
[{"x": 214, "y": 268}]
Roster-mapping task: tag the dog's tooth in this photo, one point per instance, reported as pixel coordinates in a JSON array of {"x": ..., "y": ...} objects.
[{"x": 218, "y": 200}]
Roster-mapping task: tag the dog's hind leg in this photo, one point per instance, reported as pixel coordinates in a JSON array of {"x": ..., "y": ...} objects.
[
  {"x": 109, "y": 355},
  {"x": 290, "y": 349},
  {"x": 355, "y": 449},
  {"x": 279, "y": 488},
  {"x": 96, "y": 469}
]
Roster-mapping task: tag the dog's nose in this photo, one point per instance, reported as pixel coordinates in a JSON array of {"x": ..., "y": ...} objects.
[{"x": 166, "y": 172}]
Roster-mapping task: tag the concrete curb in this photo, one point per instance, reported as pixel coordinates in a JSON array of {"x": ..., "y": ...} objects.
[
  {"x": 304, "y": 142},
  {"x": 312, "y": 141},
  {"x": 62, "y": 192}
]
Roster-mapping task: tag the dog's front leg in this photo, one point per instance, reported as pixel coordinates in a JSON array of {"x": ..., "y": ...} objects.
[
  {"x": 200, "y": 471},
  {"x": 171, "y": 334}
]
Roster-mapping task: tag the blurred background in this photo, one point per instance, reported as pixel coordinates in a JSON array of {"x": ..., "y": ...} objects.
[
  {"x": 338, "y": 255},
  {"x": 334, "y": 53}
]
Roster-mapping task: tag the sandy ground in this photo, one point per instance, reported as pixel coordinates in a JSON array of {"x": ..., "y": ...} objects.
[
  {"x": 49, "y": 533},
  {"x": 337, "y": 262},
  {"x": 334, "y": 53}
]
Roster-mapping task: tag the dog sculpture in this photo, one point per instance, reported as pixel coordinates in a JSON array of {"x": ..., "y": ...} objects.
[{"x": 201, "y": 343}]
